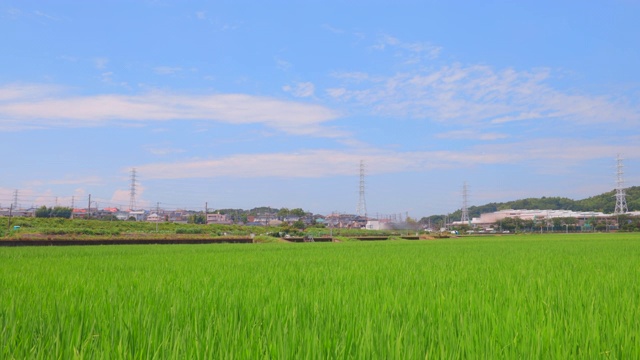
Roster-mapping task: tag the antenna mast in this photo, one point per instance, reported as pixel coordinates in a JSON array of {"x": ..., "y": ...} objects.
[
  {"x": 362, "y": 204},
  {"x": 621, "y": 199}
]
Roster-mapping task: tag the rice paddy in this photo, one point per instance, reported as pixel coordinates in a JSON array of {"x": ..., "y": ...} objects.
[{"x": 533, "y": 296}]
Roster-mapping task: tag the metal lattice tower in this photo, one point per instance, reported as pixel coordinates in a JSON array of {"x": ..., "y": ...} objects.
[
  {"x": 15, "y": 199},
  {"x": 621, "y": 199},
  {"x": 465, "y": 204},
  {"x": 362, "y": 203},
  {"x": 132, "y": 191}
]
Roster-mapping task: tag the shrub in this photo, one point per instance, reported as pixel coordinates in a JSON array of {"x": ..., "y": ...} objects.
[{"x": 190, "y": 230}]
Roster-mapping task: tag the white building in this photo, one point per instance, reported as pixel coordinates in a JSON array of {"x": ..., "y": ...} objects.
[
  {"x": 537, "y": 215},
  {"x": 217, "y": 219}
]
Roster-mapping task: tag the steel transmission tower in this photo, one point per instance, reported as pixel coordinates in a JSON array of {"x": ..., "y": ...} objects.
[
  {"x": 621, "y": 199},
  {"x": 132, "y": 191},
  {"x": 465, "y": 204},
  {"x": 15, "y": 199},
  {"x": 362, "y": 203}
]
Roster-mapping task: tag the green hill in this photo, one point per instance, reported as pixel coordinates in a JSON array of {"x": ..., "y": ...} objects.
[{"x": 604, "y": 203}]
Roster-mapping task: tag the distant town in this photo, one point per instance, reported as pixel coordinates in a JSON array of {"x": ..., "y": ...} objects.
[{"x": 508, "y": 220}]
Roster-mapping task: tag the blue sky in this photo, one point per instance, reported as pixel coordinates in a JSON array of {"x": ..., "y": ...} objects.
[{"x": 242, "y": 104}]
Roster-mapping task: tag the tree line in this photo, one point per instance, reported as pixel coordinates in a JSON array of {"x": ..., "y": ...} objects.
[{"x": 604, "y": 203}]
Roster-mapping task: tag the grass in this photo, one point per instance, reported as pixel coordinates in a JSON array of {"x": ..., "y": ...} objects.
[
  {"x": 554, "y": 296},
  {"x": 29, "y": 227}
]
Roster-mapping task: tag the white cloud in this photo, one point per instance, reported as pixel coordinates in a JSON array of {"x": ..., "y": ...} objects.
[
  {"x": 201, "y": 15},
  {"x": 45, "y": 15},
  {"x": 332, "y": 29},
  {"x": 28, "y": 197},
  {"x": 160, "y": 150},
  {"x": 305, "y": 164},
  {"x": 68, "y": 58},
  {"x": 121, "y": 199},
  {"x": 100, "y": 63},
  {"x": 28, "y": 109},
  {"x": 87, "y": 180},
  {"x": 301, "y": 89},
  {"x": 13, "y": 12},
  {"x": 282, "y": 64},
  {"x": 471, "y": 134},
  {"x": 20, "y": 91},
  {"x": 325, "y": 163},
  {"x": 107, "y": 77},
  {"x": 167, "y": 70},
  {"x": 476, "y": 94},
  {"x": 410, "y": 52}
]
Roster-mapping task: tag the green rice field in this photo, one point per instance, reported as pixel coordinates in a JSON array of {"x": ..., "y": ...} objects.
[{"x": 530, "y": 296}]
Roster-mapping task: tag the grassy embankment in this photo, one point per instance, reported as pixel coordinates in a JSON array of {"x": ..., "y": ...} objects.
[
  {"x": 552, "y": 296},
  {"x": 44, "y": 228}
]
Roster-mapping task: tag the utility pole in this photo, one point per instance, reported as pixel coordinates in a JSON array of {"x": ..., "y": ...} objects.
[
  {"x": 73, "y": 205},
  {"x": 158, "y": 215},
  {"x": 89, "y": 208}
]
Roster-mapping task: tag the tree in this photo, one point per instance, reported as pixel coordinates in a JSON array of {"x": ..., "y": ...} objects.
[
  {"x": 298, "y": 224},
  {"x": 109, "y": 217},
  {"x": 509, "y": 224},
  {"x": 282, "y": 213},
  {"x": 61, "y": 212},
  {"x": 43, "y": 212},
  {"x": 197, "y": 219},
  {"x": 412, "y": 224},
  {"x": 56, "y": 212},
  {"x": 297, "y": 212}
]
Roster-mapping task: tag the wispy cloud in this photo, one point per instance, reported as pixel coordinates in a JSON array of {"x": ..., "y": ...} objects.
[
  {"x": 332, "y": 29},
  {"x": 45, "y": 15},
  {"x": 410, "y": 52},
  {"x": 282, "y": 64},
  {"x": 28, "y": 197},
  {"x": 325, "y": 163},
  {"x": 107, "y": 77},
  {"x": 219, "y": 25},
  {"x": 160, "y": 150},
  {"x": 304, "y": 164},
  {"x": 471, "y": 134},
  {"x": 85, "y": 180},
  {"x": 22, "y": 92},
  {"x": 301, "y": 89},
  {"x": 100, "y": 63},
  {"x": 121, "y": 198},
  {"x": 24, "y": 105},
  {"x": 477, "y": 94},
  {"x": 12, "y": 13},
  {"x": 167, "y": 70}
]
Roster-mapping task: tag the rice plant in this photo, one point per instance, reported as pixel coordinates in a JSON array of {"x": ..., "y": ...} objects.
[{"x": 513, "y": 297}]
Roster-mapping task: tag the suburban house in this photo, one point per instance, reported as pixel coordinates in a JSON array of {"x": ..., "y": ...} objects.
[{"x": 217, "y": 219}]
